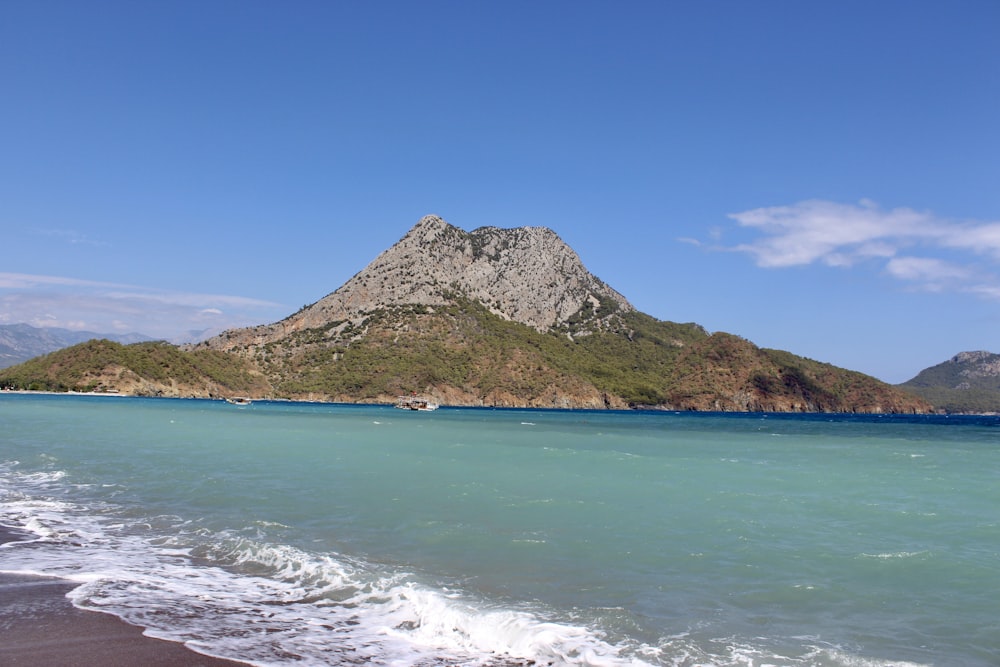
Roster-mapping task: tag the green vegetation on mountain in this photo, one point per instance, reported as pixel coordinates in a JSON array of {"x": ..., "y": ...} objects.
[
  {"x": 149, "y": 368},
  {"x": 959, "y": 401},
  {"x": 465, "y": 353},
  {"x": 969, "y": 382},
  {"x": 21, "y": 342},
  {"x": 465, "y": 346}
]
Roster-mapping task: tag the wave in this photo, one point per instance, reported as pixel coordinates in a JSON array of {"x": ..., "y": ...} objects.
[
  {"x": 237, "y": 593},
  {"x": 229, "y": 595},
  {"x": 895, "y": 554}
]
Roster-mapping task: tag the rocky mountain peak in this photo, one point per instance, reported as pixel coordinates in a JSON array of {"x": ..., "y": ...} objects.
[
  {"x": 427, "y": 230},
  {"x": 979, "y": 363},
  {"x": 972, "y": 357},
  {"x": 431, "y": 221}
]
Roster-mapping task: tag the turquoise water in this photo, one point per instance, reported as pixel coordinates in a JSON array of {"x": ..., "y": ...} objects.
[{"x": 306, "y": 534}]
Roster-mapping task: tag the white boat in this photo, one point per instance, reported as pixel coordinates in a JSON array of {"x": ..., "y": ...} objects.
[
  {"x": 415, "y": 403},
  {"x": 239, "y": 400}
]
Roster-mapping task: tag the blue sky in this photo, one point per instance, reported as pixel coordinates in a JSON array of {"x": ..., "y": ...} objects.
[{"x": 819, "y": 177}]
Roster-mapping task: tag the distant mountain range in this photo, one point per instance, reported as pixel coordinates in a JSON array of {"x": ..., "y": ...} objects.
[
  {"x": 492, "y": 317},
  {"x": 968, "y": 382},
  {"x": 20, "y": 342}
]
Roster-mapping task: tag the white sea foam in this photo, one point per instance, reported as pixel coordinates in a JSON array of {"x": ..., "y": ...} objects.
[
  {"x": 305, "y": 607},
  {"x": 274, "y": 604},
  {"x": 895, "y": 554},
  {"x": 848, "y": 660}
]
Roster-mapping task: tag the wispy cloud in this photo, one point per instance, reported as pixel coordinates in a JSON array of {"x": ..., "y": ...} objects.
[
  {"x": 926, "y": 269},
  {"x": 927, "y": 251},
  {"x": 29, "y": 281},
  {"x": 103, "y": 307},
  {"x": 71, "y": 236}
]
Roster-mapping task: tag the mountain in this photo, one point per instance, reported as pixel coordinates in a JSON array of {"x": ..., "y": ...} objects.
[
  {"x": 969, "y": 382},
  {"x": 526, "y": 275},
  {"x": 20, "y": 342},
  {"x": 500, "y": 317},
  {"x": 152, "y": 368}
]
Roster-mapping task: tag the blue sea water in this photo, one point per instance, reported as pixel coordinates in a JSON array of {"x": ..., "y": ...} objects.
[{"x": 312, "y": 534}]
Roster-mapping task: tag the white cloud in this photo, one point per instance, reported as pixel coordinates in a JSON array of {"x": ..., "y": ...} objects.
[
  {"x": 925, "y": 269},
  {"x": 74, "y": 303},
  {"x": 987, "y": 291},
  {"x": 982, "y": 238},
  {"x": 829, "y": 232},
  {"x": 930, "y": 274},
  {"x": 845, "y": 235},
  {"x": 27, "y": 280}
]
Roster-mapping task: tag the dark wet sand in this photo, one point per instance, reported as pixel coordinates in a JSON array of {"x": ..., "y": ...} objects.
[{"x": 39, "y": 627}]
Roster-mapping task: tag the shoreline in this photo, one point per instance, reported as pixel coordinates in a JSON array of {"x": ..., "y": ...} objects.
[
  {"x": 637, "y": 409},
  {"x": 42, "y": 628},
  {"x": 44, "y": 392}
]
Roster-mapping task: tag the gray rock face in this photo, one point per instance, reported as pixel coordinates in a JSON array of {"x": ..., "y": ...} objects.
[
  {"x": 978, "y": 364},
  {"x": 527, "y": 275}
]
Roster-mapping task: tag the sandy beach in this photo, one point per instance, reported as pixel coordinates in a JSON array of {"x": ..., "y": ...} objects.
[{"x": 41, "y": 628}]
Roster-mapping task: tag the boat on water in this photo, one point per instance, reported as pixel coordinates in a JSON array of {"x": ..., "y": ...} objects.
[
  {"x": 239, "y": 400},
  {"x": 418, "y": 403}
]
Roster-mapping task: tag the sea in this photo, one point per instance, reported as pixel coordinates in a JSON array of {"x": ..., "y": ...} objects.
[{"x": 285, "y": 533}]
